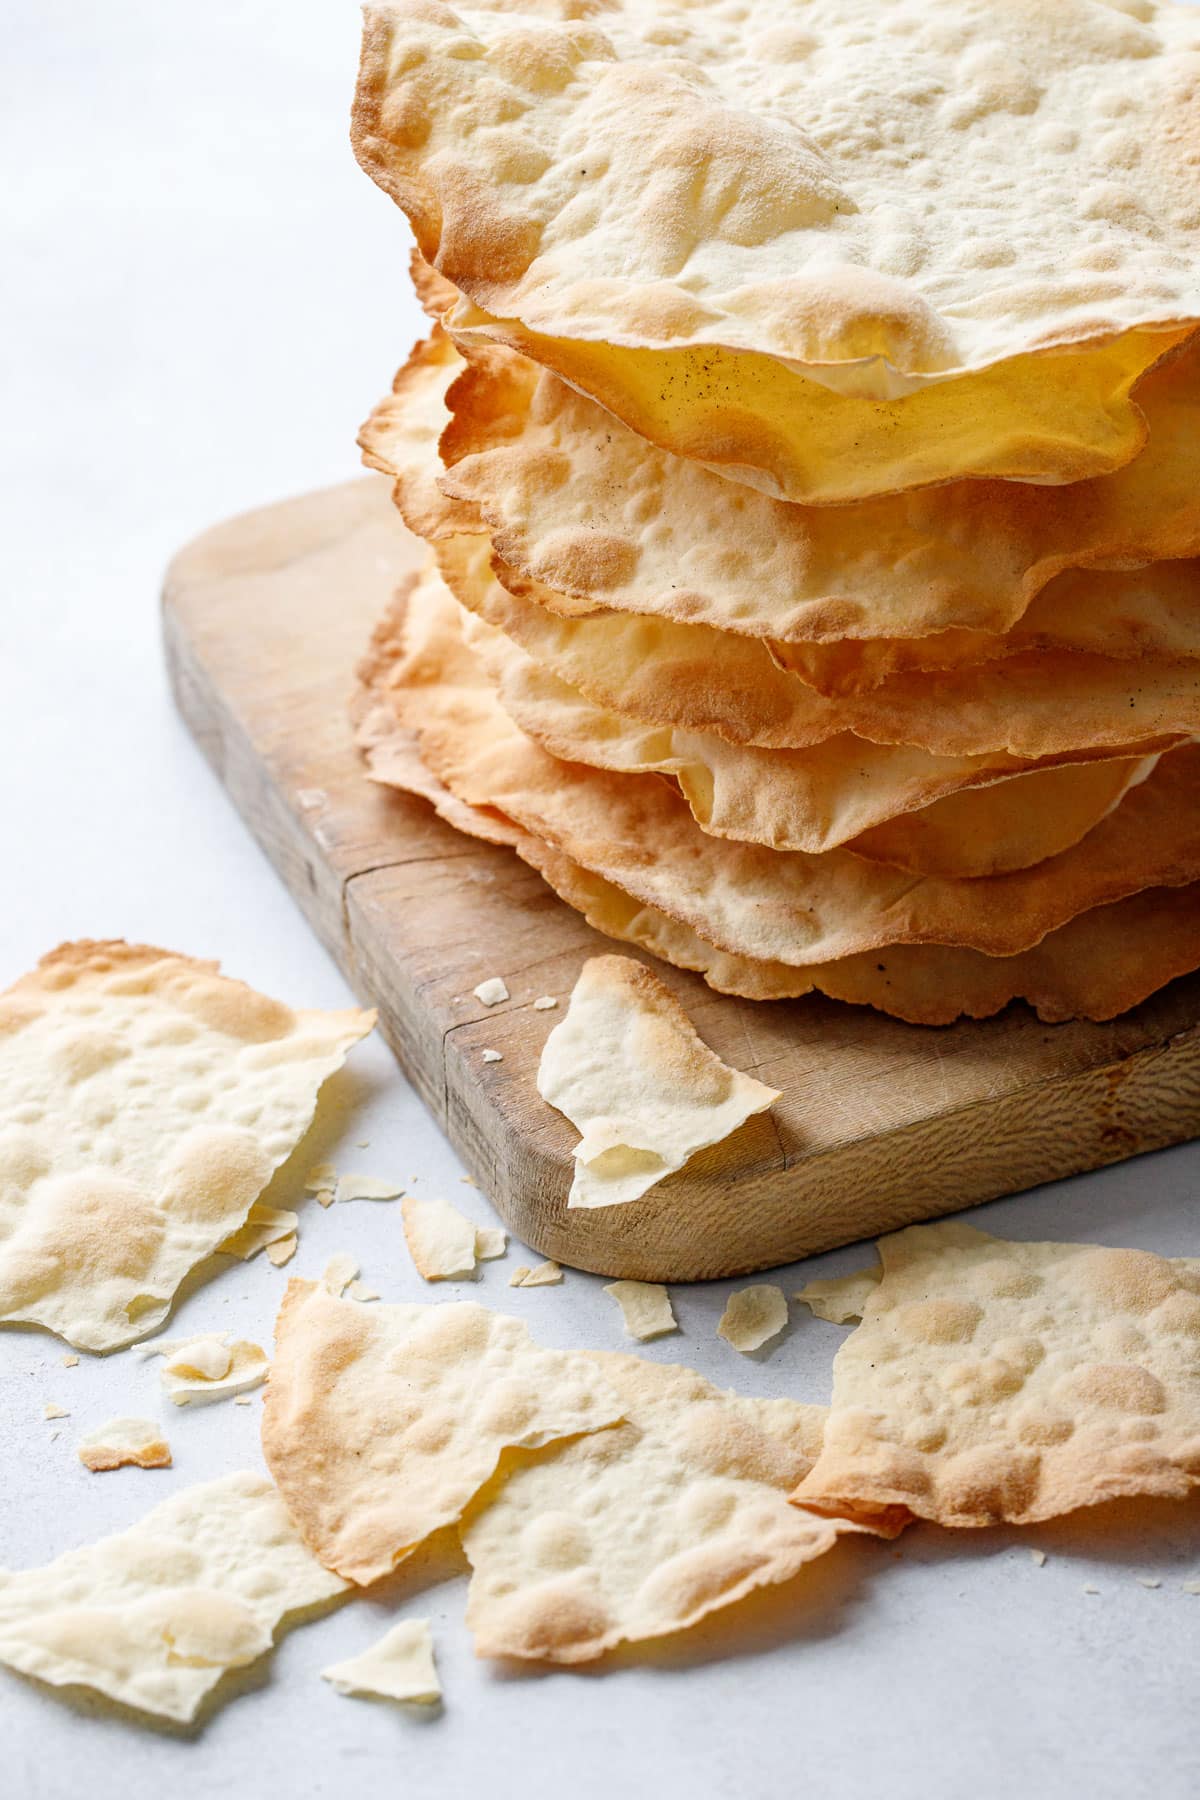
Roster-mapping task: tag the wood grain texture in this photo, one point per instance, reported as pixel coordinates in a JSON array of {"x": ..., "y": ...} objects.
[{"x": 879, "y": 1123}]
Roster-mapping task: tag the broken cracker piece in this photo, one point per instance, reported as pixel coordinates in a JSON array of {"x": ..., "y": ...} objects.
[
  {"x": 628, "y": 1069},
  {"x": 519, "y": 1274},
  {"x": 646, "y": 1309},
  {"x": 52, "y": 1410},
  {"x": 125, "y": 1443},
  {"x": 340, "y": 1271},
  {"x": 491, "y": 1241},
  {"x": 1039, "y": 1557},
  {"x": 282, "y": 1252},
  {"x": 154, "y": 1616},
  {"x": 70, "y": 1362},
  {"x": 492, "y": 1056},
  {"x": 399, "y": 1667},
  {"x": 265, "y": 1225},
  {"x": 491, "y": 992},
  {"x": 382, "y": 1422},
  {"x": 545, "y": 1003},
  {"x": 546, "y": 1274},
  {"x": 753, "y": 1315},
  {"x": 995, "y": 1381},
  {"x": 194, "y": 1374},
  {"x": 841, "y": 1298},
  {"x": 639, "y": 1531},
  {"x": 366, "y": 1187},
  {"x": 358, "y": 1290},
  {"x": 441, "y": 1240},
  {"x": 147, "y": 1100}
]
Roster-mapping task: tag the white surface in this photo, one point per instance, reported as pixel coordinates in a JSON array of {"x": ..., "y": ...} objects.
[{"x": 205, "y": 297}]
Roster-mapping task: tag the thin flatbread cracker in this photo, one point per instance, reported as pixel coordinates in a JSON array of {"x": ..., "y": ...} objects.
[
  {"x": 753, "y": 1316},
  {"x": 629, "y": 1070},
  {"x": 646, "y": 1310},
  {"x": 993, "y": 1381},
  {"x": 692, "y": 223},
  {"x": 147, "y": 1101},
  {"x": 154, "y": 1616},
  {"x": 399, "y": 1667},
  {"x": 1100, "y": 964},
  {"x": 634, "y": 1533},
  {"x": 442, "y": 1242},
  {"x": 125, "y": 1443},
  {"x": 382, "y": 1422}
]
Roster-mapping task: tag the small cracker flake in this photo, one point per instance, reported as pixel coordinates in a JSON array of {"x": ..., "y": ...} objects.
[
  {"x": 628, "y": 1069},
  {"x": 325, "y": 1196},
  {"x": 212, "y": 1368},
  {"x": 70, "y": 1362},
  {"x": 1039, "y": 1557},
  {"x": 242, "y": 1400},
  {"x": 125, "y": 1443},
  {"x": 1190, "y": 1587},
  {"x": 321, "y": 1175},
  {"x": 366, "y": 1187},
  {"x": 52, "y": 1410},
  {"x": 1090, "y": 1588},
  {"x": 399, "y": 1667},
  {"x": 265, "y": 1226},
  {"x": 154, "y": 1616},
  {"x": 283, "y": 1251},
  {"x": 340, "y": 1271},
  {"x": 841, "y": 1299},
  {"x": 545, "y": 1003},
  {"x": 204, "y": 1088},
  {"x": 434, "y": 1394},
  {"x": 362, "y": 1144},
  {"x": 492, "y": 1056},
  {"x": 645, "y": 1308},
  {"x": 491, "y": 1241},
  {"x": 996, "y": 1381},
  {"x": 491, "y": 992},
  {"x": 1148, "y": 1581},
  {"x": 358, "y": 1290},
  {"x": 441, "y": 1240},
  {"x": 753, "y": 1315},
  {"x": 639, "y": 1531},
  {"x": 546, "y": 1274}
]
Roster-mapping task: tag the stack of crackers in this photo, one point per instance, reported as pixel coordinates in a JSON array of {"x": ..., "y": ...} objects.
[{"x": 806, "y": 446}]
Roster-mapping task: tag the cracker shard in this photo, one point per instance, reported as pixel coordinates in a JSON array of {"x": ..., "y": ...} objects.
[
  {"x": 629, "y": 1070},
  {"x": 399, "y": 1667},
  {"x": 841, "y": 1298},
  {"x": 125, "y": 1443},
  {"x": 633, "y": 1533},
  {"x": 645, "y": 1308},
  {"x": 753, "y": 1315},
  {"x": 110, "y": 1202},
  {"x": 443, "y": 1242},
  {"x": 381, "y": 1423},
  {"x": 153, "y": 1617},
  {"x": 996, "y": 1381}
]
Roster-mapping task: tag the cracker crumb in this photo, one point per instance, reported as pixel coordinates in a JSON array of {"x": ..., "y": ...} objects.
[
  {"x": 1149, "y": 1581},
  {"x": 70, "y": 1362},
  {"x": 492, "y": 991},
  {"x": 545, "y": 1003},
  {"x": 1190, "y": 1587},
  {"x": 491, "y": 1056},
  {"x": 52, "y": 1411},
  {"x": 282, "y": 1251},
  {"x": 1039, "y": 1557},
  {"x": 241, "y": 1400},
  {"x": 1090, "y": 1588}
]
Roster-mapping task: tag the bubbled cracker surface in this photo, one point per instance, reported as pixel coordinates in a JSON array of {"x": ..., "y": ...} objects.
[
  {"x": 382, "y": 1422},
  {"x": 993, "y": 1381},
  {"x": 629, "y": 1070},
  {"x": 145, "y": 1101},
  {"x": 640, "y": 1531},
  {"x": 154, "y": 1616}
]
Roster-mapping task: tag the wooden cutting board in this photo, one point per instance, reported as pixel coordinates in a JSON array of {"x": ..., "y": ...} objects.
[{"x": 879, "y": 1123}]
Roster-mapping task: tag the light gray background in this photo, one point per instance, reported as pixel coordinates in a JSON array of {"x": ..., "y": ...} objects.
[{"x": 203, "y": 297}]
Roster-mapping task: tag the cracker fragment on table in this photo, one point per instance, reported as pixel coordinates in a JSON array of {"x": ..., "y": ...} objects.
[
  {"x": 321, "y": 1175},
  {"x": 366, "y": 1187},
  {"x": 282, "y": 1252},
  {"x": 841, "y": 1298},
  {"x": 995, "y": 1381},
  {"x": 629, "y": 1070},
  {"x": 441, "y": 1241},
  {"x": 399, "y": 1667},
  {"x": 545, "y": 1003},
  {"x": 491, "y": 1241},
  {"x": 519, "y": 1275},
  {"x": 125, "y": 1443},
  {"x": 146, "y": 1102},
  {"x": 69, "y": 1362},
  {"x": 492, "y": 991},
  {"x": 640, "y": 1531},
  {"x": 52, "y": 1410},
  {"x": 264, "y": 1227},
  {"x": 382, "y": 1422},
  {"x": 646, "y": 1310},
  {"x": 492, "y": 1056},
  {"x": 753, "y": 1316},
  {"x": 340, "y": 1271},
  {"x": 212, "y": 1368},
  {"x": 154, "y": 1616},
  {"x": 1039, "y": 1557},
  {"x": 545, "y": 1274}
]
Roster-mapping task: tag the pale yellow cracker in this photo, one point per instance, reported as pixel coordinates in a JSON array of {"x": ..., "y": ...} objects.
[
  {"x": 198, "y": 1370},
  {"x": 753, "y": 1316},
  {"x": 546, "y": 1274},
  {"x": 264, "y": 1227},
  {"x": 125, "y": 1443},
  {"x": 146, "y": 1101},
  {"x": 641, "y": 1531},
  {"x": 646, "y": 1310},
  {"x": 994, "y": 1381},
  {"x": 366, "y": 1187},
  {"x": 841, "y": 1298},
  {"x": 283, "y": 1251},
  {"x": 399, "y": 1667},
  {"x": 491, "y": 992},
  {"x": 154, "y": 1616},
  {"x": 629, "y": 1070},
  {"x": 381, "y": 1422},
  {"x": 441, "y": 1240}
]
